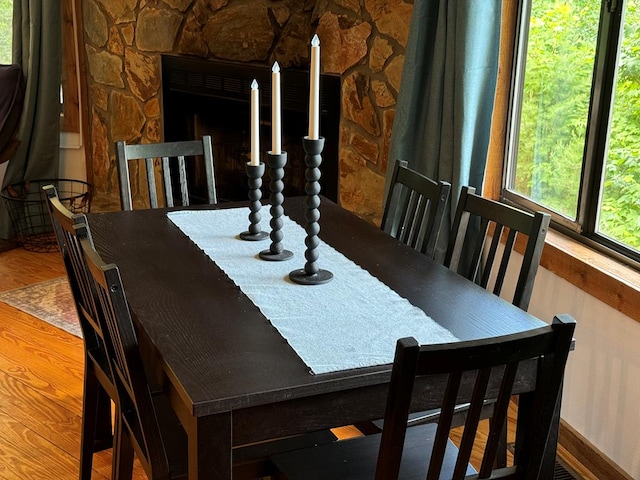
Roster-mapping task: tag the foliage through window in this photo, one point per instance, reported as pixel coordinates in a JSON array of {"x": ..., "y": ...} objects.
[
  {"x": 574, "y": 147},
  {"x": 6, "y": 21}
]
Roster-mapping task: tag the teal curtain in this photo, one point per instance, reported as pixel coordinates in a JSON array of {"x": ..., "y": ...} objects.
[
  {"x": 37, "y": 49},
  {"x": 445, "y": 103}
]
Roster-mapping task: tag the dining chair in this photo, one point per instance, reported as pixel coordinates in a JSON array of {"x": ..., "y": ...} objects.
[
  {"x": 99, "y": 389},
  {"x": 471, "y": 370},
  {"x": 489, "y": 266},
  {"x": 479, "y": 255},
  {"x": 173, "y": 155},
  {"x": 414, "y": 208},
  {"x": 490, "y": 269},
  {"x": 147, "y": 426}
]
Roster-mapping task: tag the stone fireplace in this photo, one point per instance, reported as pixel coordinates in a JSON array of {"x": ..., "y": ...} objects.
[{"x": 363, "y": 44}]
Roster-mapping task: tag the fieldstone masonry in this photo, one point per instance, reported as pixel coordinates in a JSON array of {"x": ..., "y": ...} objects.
[{"x": 363, "y": 41}]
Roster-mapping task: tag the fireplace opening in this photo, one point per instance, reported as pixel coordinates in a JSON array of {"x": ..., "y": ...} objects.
[{"x": 206, "y": 97}]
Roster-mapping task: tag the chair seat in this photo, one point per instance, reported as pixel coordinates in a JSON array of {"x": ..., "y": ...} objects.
[{"x": 356, "y": 458}]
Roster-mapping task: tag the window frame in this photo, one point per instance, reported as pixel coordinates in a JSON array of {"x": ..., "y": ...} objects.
[{"x": 583, "y": 228}]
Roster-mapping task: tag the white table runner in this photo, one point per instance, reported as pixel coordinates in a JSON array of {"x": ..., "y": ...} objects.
[{"x": 352, "y": 321}]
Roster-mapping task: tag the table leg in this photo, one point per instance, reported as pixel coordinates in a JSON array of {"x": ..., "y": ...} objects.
[{"x": 210, "y": 447}]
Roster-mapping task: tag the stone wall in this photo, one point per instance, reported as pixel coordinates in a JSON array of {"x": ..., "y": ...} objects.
[{"x": 362, "y": 40}]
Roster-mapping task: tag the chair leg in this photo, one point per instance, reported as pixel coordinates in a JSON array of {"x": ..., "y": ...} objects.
[
  {"x": 123, "y": 454},
  {"x": 104, "y": 428},
  {"x": 89, "y": 419}
]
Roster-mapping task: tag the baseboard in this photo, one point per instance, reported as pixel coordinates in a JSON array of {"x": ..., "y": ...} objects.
[{"x": 592, "y": 459}]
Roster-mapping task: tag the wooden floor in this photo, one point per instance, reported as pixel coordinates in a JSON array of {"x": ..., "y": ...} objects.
[{"x": 41, "y": 370}]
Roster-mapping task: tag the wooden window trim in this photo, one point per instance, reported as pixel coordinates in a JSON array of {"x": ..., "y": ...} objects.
[
  {"x": 70, "y": 115},
  {"x": 597, "y": 274}
]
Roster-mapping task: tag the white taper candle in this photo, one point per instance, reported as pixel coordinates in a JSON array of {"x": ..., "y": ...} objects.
[
  {"x": 255, "y": 123},
  {"x": 314, "y": 90},
  {"x": 276, "y": 129}
]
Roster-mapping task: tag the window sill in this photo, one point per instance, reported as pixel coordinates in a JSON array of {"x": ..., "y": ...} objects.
[{"x": 609, "y": 281}]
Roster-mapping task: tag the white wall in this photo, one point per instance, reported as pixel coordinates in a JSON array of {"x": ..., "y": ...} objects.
[
  {"x": 601, "y": 398},
  {"x": 72, "y": 161}
]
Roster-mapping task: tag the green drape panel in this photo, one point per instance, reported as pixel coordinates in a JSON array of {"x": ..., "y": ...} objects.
[
  {"x": 37, "y": 49},
  {"x": 443, "y": 115}
]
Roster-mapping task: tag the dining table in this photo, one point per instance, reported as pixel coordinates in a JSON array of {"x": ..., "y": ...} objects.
[{"x": 225, "y": 338}]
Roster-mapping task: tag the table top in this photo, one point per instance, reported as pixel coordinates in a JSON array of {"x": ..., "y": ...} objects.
[{"x": 221, "y": 354}]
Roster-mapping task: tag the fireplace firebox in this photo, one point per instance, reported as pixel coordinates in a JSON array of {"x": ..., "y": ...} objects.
[{"x": 206, "y": 97}]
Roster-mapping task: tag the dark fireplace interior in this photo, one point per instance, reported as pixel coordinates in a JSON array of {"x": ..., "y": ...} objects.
[{"x": 204, "y": 97}]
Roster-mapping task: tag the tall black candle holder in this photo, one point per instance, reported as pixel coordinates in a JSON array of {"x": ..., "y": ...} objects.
[
  {"x": 311, "y": 274},
  {"x": 276, "y": 251},
  {"x": 254, "y": 174}
]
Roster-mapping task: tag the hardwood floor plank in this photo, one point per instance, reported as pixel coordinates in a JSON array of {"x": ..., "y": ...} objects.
[
  {"x": 19, "y": 268},
  {"x": 34, "y": 361},
  {"x": 28, "y": 455}
]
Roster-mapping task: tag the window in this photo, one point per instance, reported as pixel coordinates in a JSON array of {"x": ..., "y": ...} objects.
[
  {"x": 6, "y": 20},
  {"x": 574, "y": 135}
]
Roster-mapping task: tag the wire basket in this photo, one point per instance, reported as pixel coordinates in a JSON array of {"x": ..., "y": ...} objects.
[{"x": 26, "y": 204}]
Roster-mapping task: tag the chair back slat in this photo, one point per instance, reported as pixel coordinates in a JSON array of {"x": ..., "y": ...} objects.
[
  {"x": 172, "y": 155},
  {"x": 504, "y": 261},
  {"x": 497, "y": 425},
  {"x": 415, "y": 208},
  {"x": 472, "y": 421},
  {"x": 493, "y": 365},
  {"x": 151, "y": 182},
  {"x": 184, "y": 188},
  {"x": 489, "y": 264},
  {"x": 492, "y": 251},
  {"x": 446, "y": 418}
]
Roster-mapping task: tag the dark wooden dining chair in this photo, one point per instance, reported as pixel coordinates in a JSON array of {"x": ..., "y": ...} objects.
[
  {"x": 480, "y": 255},
  {"x": 147, "y": 427},
  {"x": 472, "y": 371},
  {"x": 172, "y": 155},
  {"x": 99, "y": 389},
  {"x": 414, "y": 208},
  {"x": 489, "y": 266}
]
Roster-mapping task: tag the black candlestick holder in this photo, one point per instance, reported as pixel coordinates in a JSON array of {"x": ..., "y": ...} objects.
[
  {"x": 311, "y": 274},
  {"x": 254, "y": 174},
  {"x": 276, "y": 251}
]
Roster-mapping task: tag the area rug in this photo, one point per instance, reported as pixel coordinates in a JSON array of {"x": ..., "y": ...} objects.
[{"x": 50, "y": 301}]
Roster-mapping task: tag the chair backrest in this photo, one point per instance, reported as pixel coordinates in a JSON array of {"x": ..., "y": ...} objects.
[
  {"x": 415, "y": 208},
  {"x": 69, "y": 228},
  {"x": 137, "y": 410},
  {"x": 492, "y": 365},
  {"x": 171, "y": 155},
  {"x": 492, "y": 265}
]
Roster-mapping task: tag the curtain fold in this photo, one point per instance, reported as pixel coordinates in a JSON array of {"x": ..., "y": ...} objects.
[
  {"x": 37, "y": 49},
  {"x": 443, "y": 116}
]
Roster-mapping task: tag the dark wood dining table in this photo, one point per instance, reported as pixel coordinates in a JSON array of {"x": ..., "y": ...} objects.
[{"x": 230, "y": 376}]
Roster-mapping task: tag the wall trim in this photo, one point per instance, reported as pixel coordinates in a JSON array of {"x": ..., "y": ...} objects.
[{"x": 592, "y": 459}]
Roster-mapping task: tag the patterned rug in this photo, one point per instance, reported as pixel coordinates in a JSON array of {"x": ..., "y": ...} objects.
[{"x": 50, "y": 301}]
